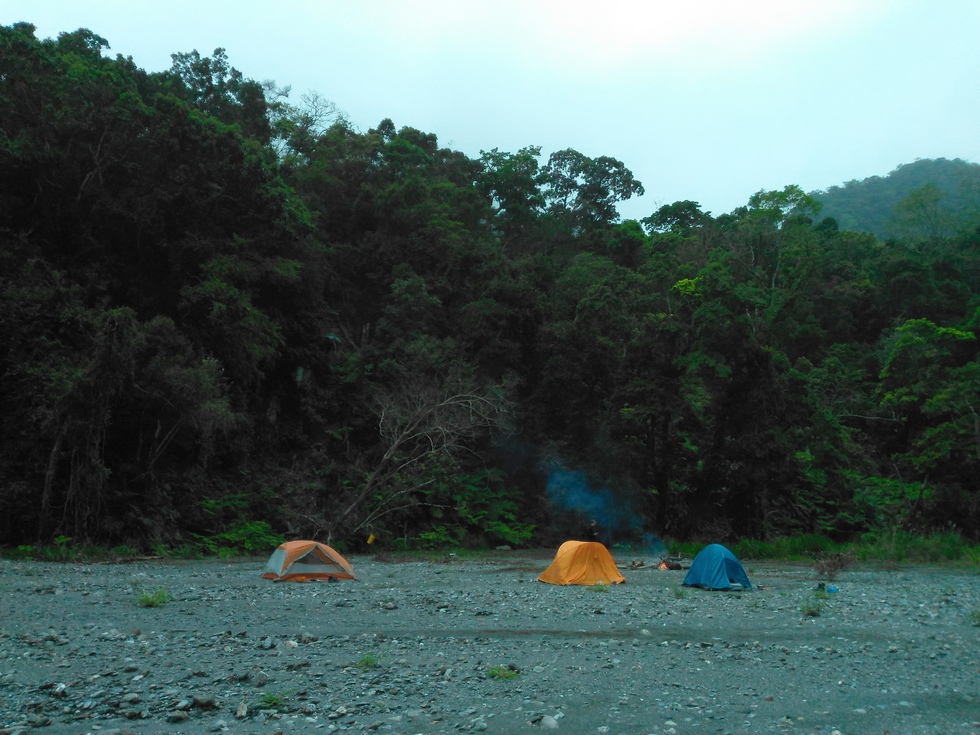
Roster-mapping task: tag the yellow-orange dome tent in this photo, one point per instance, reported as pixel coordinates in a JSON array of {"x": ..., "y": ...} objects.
[
  {"x": 299, "y": 561},
  {"x": 582, "y": 562}
]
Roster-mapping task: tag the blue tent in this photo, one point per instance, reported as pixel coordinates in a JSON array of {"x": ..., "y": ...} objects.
[{"x": 716, "y": 568}]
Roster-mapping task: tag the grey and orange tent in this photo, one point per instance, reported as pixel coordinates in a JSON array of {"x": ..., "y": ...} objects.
[
  {"x": 582, "y": 562},
  {"x": 299, "y": 561}
]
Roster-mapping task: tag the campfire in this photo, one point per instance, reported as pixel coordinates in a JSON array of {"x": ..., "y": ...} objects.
[{"x": 671, "y": 564}]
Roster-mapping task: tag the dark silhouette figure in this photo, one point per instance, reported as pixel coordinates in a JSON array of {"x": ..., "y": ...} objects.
[{"x": 592, "y": 531}]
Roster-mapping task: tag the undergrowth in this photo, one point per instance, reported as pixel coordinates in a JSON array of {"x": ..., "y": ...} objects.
[{"x": 887, "y": 546}]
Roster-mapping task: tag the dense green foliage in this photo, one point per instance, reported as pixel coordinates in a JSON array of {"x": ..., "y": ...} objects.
[
  {"x": 924, "y": 199},
  {"x": 227, "y": 320}
]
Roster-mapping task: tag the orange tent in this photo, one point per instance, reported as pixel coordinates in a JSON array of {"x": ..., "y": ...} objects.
[
  {"x": 299, "y": 561},
  {"x": 582, "y": 562}
]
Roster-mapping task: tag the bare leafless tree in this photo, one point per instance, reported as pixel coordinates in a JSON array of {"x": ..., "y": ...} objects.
[{"x": 419, "y": 420}]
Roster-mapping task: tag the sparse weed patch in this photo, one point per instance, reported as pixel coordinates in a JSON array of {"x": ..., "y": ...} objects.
[
  {"x": 679, "y": 592},
  {"x": 814, "y": 607},
  {"x": 367, "y": 662},
  {"x": 600, "y": 587},
  {"x": 270, "y": 700},
  {"x": 503, "y": 673},
  {"x": 975, "y": 617},
  {"x": 811, "y": 608},
  {"x": 149, "y": 598}
]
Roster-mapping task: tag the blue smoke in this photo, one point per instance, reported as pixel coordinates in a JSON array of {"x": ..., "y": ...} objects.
[{"x": 616, "y": 516}]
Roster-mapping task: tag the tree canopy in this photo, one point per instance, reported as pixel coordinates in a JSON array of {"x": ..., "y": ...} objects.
[{"x": 229, "y": 318}]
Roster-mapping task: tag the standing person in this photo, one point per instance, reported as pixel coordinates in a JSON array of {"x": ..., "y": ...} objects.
[{"x": 592, "y": 532}]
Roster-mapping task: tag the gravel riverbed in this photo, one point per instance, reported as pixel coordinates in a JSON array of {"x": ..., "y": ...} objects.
[{"x": 482, "y": 646}]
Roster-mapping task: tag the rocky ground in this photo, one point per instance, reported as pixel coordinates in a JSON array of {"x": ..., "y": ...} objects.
[{"x": 482, "y": 646}]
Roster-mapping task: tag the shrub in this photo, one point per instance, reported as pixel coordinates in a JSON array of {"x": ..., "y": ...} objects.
[
  {"x": 829, "y": 565},
  {"x": 438, "y": 538},
  {"x": 62, "y": 550},
  {"x": 244, "y": 537}
]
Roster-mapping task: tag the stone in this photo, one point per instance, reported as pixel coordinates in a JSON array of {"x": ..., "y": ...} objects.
[{"x": 205, "y": 701}]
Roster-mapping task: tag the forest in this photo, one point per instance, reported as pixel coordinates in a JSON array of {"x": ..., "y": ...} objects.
[{"x": 229, "y": 319}]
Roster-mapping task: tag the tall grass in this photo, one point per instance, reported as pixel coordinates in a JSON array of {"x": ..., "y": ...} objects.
[
  {"x": 897, "y": 545},
  {"x": 883, "y": 546},
  {"x": 798, "y": 548}
]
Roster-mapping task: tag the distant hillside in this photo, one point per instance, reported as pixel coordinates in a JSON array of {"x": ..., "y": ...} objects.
[{"x": 869, "y": 205}]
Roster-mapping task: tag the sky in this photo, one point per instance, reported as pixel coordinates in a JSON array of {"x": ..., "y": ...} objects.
[{"x": 706, "y": 100}]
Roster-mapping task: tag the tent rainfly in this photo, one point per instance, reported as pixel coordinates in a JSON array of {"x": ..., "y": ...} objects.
[
  {"x": 716, "y": 568},
  {"x": 299, "y": 561},
  {"x": 582, "y": 562}
]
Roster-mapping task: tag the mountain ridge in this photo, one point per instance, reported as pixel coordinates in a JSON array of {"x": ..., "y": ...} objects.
[{"x": 869, "y": 204}]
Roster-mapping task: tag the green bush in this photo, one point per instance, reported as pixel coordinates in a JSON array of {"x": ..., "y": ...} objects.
[
  {"x": 471, "y": 509},
  {"x": 241, "y": 538},
  {"x": 437, "y": 538}
]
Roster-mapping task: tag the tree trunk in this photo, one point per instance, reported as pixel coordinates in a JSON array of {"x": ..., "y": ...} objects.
[{"x": 44, "y": 514}]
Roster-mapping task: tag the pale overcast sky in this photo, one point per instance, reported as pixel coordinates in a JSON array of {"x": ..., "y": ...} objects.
[{"x": 710, "y": 100}]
